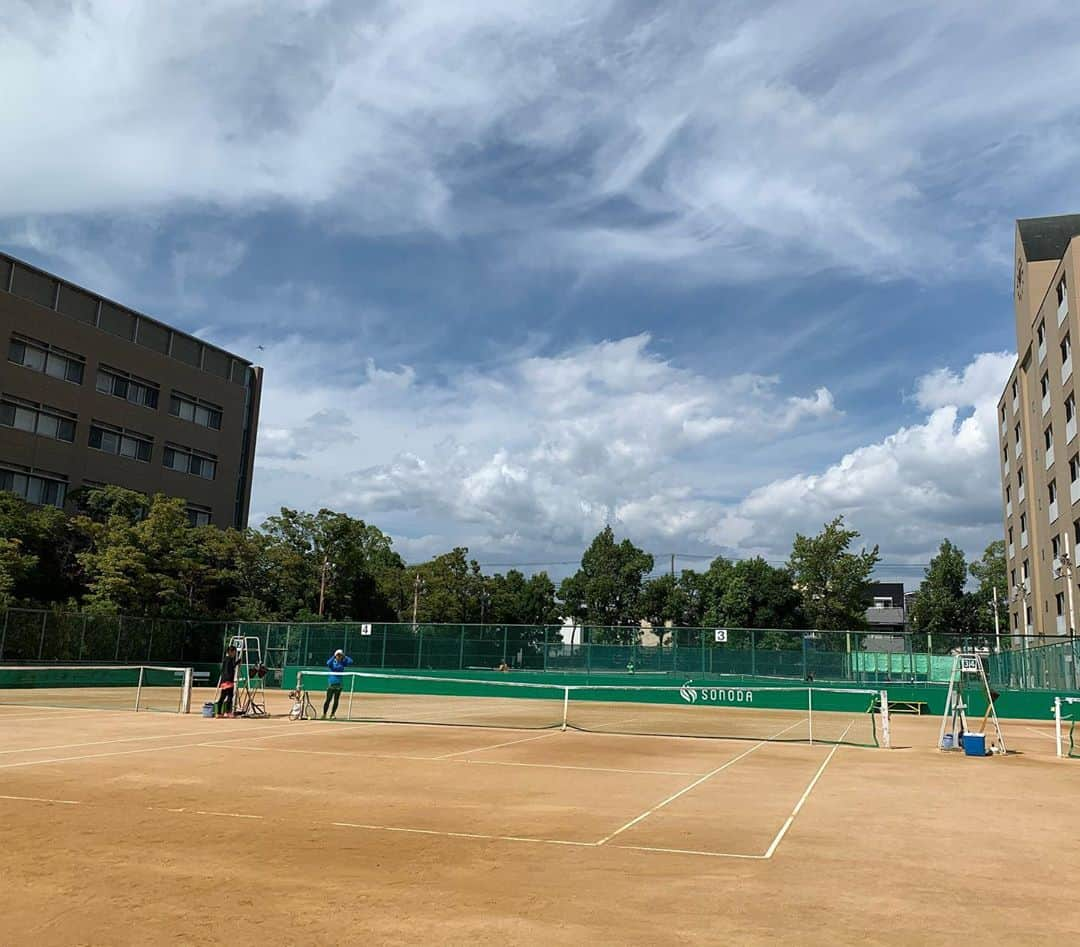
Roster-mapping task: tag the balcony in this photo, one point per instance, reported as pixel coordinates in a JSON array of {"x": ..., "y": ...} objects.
[
  {"x": 1074, "y": 491},
  {"x": 1055, "y": 566},
  {"x": 1019, "y": 449},
  {"x": 1042, "y": 351},
  {"x": 1066, "y": 369},
  {"x": 1050, "y": 457},
  {"x": 1054, "y": 511},
  {"x": 1012, "y": 550},
  {"x": 1008, "y": 508},
  {"x": 1004, "y": 428},
  {"x": 1016, "y": 406},
  {"x": 1063, "y": 309},
  {"x": 1070, "y": 429},
  {"x": 1021, "y": 493},
  {"x": 1024, "y": 543}
]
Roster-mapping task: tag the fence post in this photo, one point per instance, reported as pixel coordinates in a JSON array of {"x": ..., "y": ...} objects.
[
  {"x": 119, "y": 632},
  {"x": 545, "y": 646},
  {"x": 701, "y": 644},
  {"x": 82, "y": 638},
  {"x": 461, "y": 650},
  {"x": 419, "y": 647},
  {"x": 41, "y": 642},
  {"x": 3, "y": 634},
  {"x": 753, "y": 653},
  {"x": 382, "y": 661},
  {"x": 505, "y": 633}
]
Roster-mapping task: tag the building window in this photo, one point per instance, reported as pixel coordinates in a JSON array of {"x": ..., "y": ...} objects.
[
  {"x": 111, "y": 381},
  {"x": 37, "y": 488},
  {"x": 47, "y": 359},
  {"x": 190, "y": 408},
  {"x": 1012, "y": 578},
  {"x": 1044, "y": 384},
  {"x": 1041, "y": 333},
  {"x": 124, "y": 443},
  {"x": 1023, "y": 522},
  {"x": 1020, "y": 478},
  {"x": 1008, "y": 494},
  {"x": 190, "y": 461},
  {"x": 1066, "y": 349},
  {"x": 1052, "y": 489},
  {"x": 1015, "y": 391},
  {"x": 1048, "y": 437},
  {"x": 1074, "y": 468},
  {"x": 1055, "y": 547},
  {"x": 198, "y": 515},
  {"x": 37, "y": 419},
  {"x": 1062, "y": 292}
]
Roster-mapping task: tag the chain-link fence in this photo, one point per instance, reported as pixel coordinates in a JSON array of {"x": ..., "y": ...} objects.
[
  {"x": 32, "y": 635},
  {"x": 864, "y": 657}
]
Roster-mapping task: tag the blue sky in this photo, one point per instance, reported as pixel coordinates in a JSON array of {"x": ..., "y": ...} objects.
[{"x": 712, "y": 273}]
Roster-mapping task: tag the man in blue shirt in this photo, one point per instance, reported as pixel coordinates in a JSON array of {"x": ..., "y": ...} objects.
[{"x": 337, "y": 663}]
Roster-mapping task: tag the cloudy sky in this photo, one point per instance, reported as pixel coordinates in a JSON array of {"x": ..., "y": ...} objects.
[{"x": 709, "y": 272}]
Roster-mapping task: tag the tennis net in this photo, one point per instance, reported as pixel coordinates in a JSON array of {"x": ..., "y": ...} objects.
[
  {"x": 106, "y": 687},
  {"x": 789, "y": 714}
]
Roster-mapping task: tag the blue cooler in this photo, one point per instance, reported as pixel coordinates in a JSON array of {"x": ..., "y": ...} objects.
[
  {"x": 208, "y": 709},
  {"x": 974, "y": 744}
]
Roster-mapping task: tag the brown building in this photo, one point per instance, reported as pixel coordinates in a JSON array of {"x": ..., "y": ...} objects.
[
  {"x": 1039, "y": 451},
  {"x": 93, "y": 393}
]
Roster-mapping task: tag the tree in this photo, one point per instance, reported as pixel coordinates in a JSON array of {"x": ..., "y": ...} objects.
[
  {"x": 662, "y": 600},
  {"x": 605, "y": 590},
  {"x": 942, "y": 606},
  {"x": 759, "y": 595},
  {"x": 40, "y": 566},
  {"x": 991, "y": 572},
  {"x": 833, "y": 582}
]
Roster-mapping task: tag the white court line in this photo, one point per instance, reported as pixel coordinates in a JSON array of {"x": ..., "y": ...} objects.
[
  {"x": 73, "y": 746},
  {"x": 436, "y": 759},
  {"x": 60, "y": 802},
  {"x": 57, "y": 716},
  {"x": 494, "y": 746},
  {"x": 472, "y": 835},
  {"x": 151, "y": 749},
  {"x": 688, "y": 851},
  {"x": 1041, "y": 733},
  {"x": 806, "y": 795},
  {"x": 697, "y": 782}
]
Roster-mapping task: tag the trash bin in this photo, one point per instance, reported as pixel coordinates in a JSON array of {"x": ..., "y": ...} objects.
[{"x": 974, "y": 744}]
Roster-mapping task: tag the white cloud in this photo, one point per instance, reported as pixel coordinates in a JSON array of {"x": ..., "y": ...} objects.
[
  {"x": 707, "y": 141},
  {"x": 530, "y": 456}
]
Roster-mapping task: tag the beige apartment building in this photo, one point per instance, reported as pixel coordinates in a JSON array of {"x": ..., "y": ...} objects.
[
  {"x": 1039, "y": 450},
  {"x": 94, "y": 393}
]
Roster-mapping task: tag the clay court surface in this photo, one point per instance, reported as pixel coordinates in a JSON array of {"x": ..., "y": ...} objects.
[{"x": 118, "y": 828}]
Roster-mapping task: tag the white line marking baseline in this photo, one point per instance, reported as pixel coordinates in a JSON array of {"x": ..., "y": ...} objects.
[
  {"x": 472, "y": 835},
  {"x": 59, "y": 802},
  {"x": 494, "y": 746},
  {"x": 719, "y": 769}
]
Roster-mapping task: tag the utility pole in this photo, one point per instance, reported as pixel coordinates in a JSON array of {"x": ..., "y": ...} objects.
[
  {"x": 1067, "y": 571},
  {"x": 418, "y": 586},
  {"x": 322, "y": 585},
  {"x": 673, "y": 565}
]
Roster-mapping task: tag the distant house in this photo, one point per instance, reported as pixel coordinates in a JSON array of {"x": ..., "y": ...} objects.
[{"x": 886, "y": 610}]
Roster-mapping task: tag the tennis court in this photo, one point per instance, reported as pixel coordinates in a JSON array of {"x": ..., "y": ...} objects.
[{"x": 123, "y": 827}]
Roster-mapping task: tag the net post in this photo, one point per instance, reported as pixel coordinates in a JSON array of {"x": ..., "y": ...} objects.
[
  {"x": 352, "y": 688},
  {"x": 1057, "y": 725},
  {"x": 565, "y": 706},
  {"x": 886, "y": 733},
  {"x": 810, "y": 712},
  {"x": 138, "y": 690},
  {"x": 185, "y": 691}
]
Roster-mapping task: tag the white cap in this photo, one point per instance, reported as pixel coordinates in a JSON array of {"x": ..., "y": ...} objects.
[{"x": 339, "y": 651}]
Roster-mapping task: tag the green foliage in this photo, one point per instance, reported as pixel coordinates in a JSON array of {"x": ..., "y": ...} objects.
[
  {"x": 942, "y": 605},
  {"x": 834, "y": 582},
  {"x": 991, "y": 572},
  {"x": 605, "y": 591}
]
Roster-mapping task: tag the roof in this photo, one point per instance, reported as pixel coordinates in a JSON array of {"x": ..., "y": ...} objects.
[
  {"x": 1046, "y": 238},
  {"x": 884, "y": 616}
]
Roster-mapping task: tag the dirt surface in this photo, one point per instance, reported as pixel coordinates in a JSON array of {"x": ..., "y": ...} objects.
[{"x": 125, "y": 828}]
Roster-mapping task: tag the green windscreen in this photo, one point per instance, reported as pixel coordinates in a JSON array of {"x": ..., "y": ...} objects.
[{"x": 99, "y": 688}]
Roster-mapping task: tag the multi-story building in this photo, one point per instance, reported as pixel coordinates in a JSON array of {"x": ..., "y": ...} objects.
[
  {"x": 94, "y": 393},
  {"x": 1038, "y": 449}
]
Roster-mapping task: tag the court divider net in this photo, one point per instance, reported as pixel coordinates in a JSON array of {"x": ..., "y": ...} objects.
[
  {"x": 97, "y": 687},
  {"x": 1066, "y": 712},
  {"x": 856, "y": 716}
]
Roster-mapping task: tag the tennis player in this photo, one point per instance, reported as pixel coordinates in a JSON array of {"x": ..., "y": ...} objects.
[
  {"x": 337, "y": 663},
  {"x": 227, "y": 684}
]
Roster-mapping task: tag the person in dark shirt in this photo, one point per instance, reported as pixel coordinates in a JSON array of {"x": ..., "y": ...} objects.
[{"x": 227, "y": 683}]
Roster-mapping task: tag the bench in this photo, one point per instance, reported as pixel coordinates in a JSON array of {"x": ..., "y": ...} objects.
[{"x": 917, "y": 707}]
